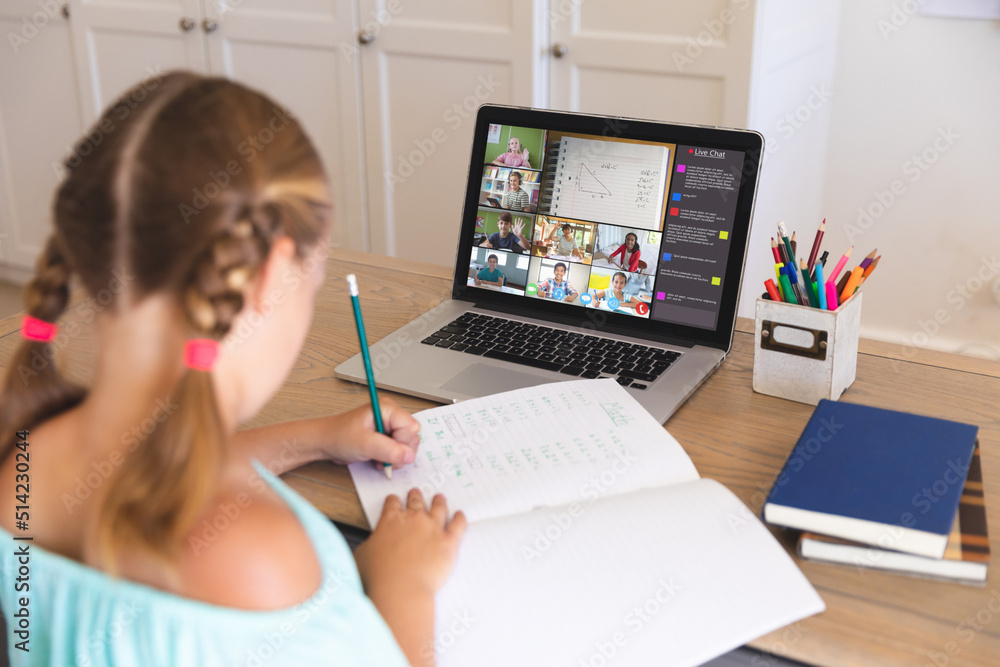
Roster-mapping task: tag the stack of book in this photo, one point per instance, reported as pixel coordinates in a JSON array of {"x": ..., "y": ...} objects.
[{"x": 874, "y": 488}]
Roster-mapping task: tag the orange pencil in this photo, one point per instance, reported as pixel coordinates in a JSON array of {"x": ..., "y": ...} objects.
[
  {"x": 871, "y": 267},
  {"x": 852, "y": 284}
]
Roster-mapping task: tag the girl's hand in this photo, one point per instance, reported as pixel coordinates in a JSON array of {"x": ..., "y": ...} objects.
[
  {"x": 353, "y": 436},
  {"x": 404, "y": 563},
  {"x": 412, "y": 549}
]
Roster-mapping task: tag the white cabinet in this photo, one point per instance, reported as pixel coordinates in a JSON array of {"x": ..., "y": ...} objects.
[
  {"x": 388, "y": 89},
  {"x": 40, "y": 119},
  {"x": 426, "y": 69},
  {"x": 293, "y": 50}
]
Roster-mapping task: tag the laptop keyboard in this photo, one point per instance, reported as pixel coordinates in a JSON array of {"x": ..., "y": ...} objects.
[{"x": 572, "y": 353}]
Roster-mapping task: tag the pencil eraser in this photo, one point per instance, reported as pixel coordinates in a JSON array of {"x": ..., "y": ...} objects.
[{"x": 352, "y": 284}]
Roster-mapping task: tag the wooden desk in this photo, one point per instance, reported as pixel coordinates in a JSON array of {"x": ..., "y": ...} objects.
[{"x": 732, "y": 434}]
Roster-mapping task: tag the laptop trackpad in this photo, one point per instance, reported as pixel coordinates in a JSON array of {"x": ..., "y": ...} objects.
[{"x": 480, "y": 380}]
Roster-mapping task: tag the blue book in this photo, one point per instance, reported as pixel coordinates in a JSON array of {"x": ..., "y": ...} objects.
[{"x": 881, "y": 477}]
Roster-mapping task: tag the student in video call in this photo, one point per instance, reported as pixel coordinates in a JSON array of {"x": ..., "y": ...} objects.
[
  {"x": 558, "y": 282},
  {"x": 490, "y": 275},
  {"x": 506, "y": 239},
  {"x": 618, "y": 291},
  {"x": 630, "y": 253},
  {"x": 515, "y": 199},
  {"x": 515, "y": 155},
  {"x": 566, "y": 244}
]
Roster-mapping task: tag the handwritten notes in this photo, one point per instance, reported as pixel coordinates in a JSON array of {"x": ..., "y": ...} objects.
[
  {"x": 539, "y": 446},
  {"x": 615, "y": 182}
]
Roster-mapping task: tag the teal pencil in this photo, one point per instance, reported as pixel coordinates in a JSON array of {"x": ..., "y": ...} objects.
[{"x": 352, "y": 284}]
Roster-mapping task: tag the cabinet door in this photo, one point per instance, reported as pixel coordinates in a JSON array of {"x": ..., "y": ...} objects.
[
  {"x": 301, "y": 53},
  {"x": 676, "y": 61},
  {"x": 117, "y": 45},
  {"x": 39, "y": 122},
  {"x": 426, "y": 68}
]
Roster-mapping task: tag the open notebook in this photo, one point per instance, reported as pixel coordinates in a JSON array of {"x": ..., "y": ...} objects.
[{"x": 592, "y": 539}]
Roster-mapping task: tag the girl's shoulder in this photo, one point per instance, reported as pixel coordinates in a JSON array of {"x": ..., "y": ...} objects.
[{"x": 250, "y": 535}]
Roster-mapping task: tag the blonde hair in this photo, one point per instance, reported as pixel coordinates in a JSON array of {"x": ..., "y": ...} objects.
[{"x": 142, "y": 200}]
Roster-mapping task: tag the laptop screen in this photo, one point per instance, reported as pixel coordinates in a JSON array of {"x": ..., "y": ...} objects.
[{"x": 634, "y": 226}]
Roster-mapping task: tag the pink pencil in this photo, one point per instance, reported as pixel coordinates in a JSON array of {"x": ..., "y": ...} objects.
[
  {"x": 832, "y": 278},
  {"x": 831, "y": 296}
]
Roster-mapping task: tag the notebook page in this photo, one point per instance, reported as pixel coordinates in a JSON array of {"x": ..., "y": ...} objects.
[
  {"x": 540, "y": 446},
  {"x": 668, "y": 576},
  {"x": 610, "y": 181}
]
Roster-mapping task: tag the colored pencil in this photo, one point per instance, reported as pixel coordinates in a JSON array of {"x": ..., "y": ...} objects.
[
  {"x": 816, "y": 243},
  {"x": 840, "y": 265},
  {"x": 772, "y": 290},
  {"x": 820, "y": 286},
  {"x": 852, "y": 284},
  {"x": 871, "y": 267},
  {"x": 774, "y": 251},
  {"x": 352, "y": 284}
]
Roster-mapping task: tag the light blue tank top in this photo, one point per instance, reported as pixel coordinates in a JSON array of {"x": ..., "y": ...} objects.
[{"x": 79, "y": 616}]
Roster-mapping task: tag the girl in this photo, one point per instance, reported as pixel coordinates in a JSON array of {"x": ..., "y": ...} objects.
[
  {"x": 630, "y": 248},
  {"x": 515, "y": 156},
  {"x": 125, "y": 572},
  {"x": 618, "y": 291}
]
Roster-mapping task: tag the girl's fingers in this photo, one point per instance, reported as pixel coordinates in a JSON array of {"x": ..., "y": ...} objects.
[{"x": 415, "y": 500}]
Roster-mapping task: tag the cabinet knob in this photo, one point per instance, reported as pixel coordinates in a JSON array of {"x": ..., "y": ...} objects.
[
  {"x": 366, "y": 37},
  {"x": 209, "y": 25},
  {"x": 65, "y": 11},
  {"x": 187, "y": 24},
  {"x": 559, "y": 49}
]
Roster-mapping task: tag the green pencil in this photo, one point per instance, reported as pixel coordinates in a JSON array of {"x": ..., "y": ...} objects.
[{"x": 352, "y": 284}]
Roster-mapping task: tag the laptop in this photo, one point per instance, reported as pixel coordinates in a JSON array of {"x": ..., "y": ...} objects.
[{"x": 621, "y": 257}]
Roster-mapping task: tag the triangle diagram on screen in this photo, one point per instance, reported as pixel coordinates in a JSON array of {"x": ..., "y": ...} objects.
[{"x": 588, "y": 182}]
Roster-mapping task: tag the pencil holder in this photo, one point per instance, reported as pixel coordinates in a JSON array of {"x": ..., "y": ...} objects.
[{"x": 805, "y": 354}]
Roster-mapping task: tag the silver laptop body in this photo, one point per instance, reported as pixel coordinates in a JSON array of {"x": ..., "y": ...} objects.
[{"x": 688, "y": 315}]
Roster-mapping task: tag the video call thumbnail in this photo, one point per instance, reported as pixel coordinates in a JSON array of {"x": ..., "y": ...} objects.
[
  {"x": 520, "y": 147},
  {"x": 511, "y": 189},
  {"x": 557, "y": 280},
  {"x": 627, "y": 249},
  {"x": 503, "y": 230},
  {"x": 619, "y": 292},
  {"x": 561, "y": 239},
  {"x": 498, "y": 270}
]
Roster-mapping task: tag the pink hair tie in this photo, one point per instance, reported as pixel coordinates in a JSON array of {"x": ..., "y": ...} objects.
[
  {"x": 33, "y": 328},
  {"x": 200, "y": 353}
]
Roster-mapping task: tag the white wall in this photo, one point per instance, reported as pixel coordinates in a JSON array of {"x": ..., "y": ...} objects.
[{"x": 911, "y": 87}]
